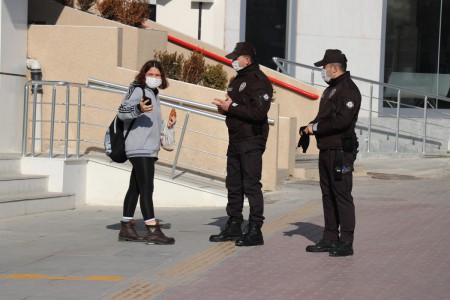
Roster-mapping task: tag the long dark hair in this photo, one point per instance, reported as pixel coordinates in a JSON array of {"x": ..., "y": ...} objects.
[{"x": 140, "y": 77}]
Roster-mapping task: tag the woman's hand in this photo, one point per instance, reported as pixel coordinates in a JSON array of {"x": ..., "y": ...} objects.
[
  {"x": 171, "y": 122},
  {"x": 144, "y": 107}
]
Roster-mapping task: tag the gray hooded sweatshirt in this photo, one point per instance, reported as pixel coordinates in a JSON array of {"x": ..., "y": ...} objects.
[{"x": 144, "y": 137}]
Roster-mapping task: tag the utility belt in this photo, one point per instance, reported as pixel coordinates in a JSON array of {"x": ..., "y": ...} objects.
[{"x": 349, "y": 145}]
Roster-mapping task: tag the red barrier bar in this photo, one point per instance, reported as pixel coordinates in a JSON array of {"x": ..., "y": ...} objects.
[
  {"x": 228, "y": 62},
  {"x": 198, "y": 49}
]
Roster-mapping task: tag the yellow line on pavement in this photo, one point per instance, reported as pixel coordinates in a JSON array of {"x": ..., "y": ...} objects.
[{"x": 65, "y": 278}]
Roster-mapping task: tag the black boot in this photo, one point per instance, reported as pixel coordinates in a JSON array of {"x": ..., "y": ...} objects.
[
  {"x": 344, "y": 249},
  {"x": 128, "y": 232},
  {"x": 253, "y": 236},
  {"x": 231, "y": 232},
  {"x": 323, "y": 246}
]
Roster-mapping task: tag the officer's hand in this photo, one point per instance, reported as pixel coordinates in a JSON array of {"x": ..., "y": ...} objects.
[
  {"x": 309, "y": 129},
  {"x": 223, "y": 104}
]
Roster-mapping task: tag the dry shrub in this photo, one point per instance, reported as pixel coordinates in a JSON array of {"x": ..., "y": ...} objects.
[
  {"x": 108, "y": 8},
  {"x": 215, "y": 77},
  {"x": 130, "y": 12},
  {"x": 172, "y": 63},
  {"x": 133, "y": 12},
  {"x": 85, "y": 4},
  {"x": 193, "y": 68}
]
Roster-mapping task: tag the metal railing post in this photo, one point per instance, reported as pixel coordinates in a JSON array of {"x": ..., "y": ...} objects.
[
  {"x": 369, "y": 129},
  {"x": 398, "y": 121},
  {"x": 25, "y": 121},
  {"x": 52, "y": 121},
  {"x": 312, "y": 77},
  {"x": 79, "y": 122},
  {"x": 424, "y": 142},
  {"x": 33, "y": 125},
  {"x": 180, "y": 143},
  {"x": 66, "y": 135}
]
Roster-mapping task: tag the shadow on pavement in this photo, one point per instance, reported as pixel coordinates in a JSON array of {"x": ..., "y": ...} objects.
[{"x": 310, "y": 231}]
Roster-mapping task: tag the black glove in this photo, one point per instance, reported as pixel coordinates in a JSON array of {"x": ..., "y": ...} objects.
[{"x": 304, "y": 139}]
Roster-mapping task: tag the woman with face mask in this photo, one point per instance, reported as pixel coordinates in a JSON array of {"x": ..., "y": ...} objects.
[{"x": 141, "y": 103}]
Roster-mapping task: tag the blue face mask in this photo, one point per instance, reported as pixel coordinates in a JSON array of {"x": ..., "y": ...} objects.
[
  {"x": 325, "y": 76},
  {"x": 235, "y": 65}
]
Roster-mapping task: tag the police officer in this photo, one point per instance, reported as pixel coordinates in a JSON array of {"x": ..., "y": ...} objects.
[
  {"x": 245, "y": 106},
  {"x": 334, "y": 129}
]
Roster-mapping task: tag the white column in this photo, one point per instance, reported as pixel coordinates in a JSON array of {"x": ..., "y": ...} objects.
[
  {"x": 235, "y": 11},
  {"x": 13, "y": 52}
]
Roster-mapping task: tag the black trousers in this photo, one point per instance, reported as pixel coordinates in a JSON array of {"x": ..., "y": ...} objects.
[
  {"x": 244, "y": 168},
  {"x": 141, "y": 186},
  {"x": 338, "y": 207}
]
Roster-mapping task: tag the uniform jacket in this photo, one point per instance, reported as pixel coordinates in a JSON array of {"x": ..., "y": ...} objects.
[
  {"x": 251, "y": 92},
  {"x": 338, "y": 113},
  {"x": 144, "y": 137}
]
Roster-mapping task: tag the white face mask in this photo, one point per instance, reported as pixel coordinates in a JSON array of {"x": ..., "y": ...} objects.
[
  {"x": 153, "y": 82},
  {"x": 235, "y": 65},
  {"x": 325, "y": 76}
]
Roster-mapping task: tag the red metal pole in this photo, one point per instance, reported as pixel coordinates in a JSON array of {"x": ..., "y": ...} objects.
[{"x": 228, "y": 62}]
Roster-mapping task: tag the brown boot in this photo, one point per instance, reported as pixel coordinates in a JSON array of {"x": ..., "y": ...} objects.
[
  {"x": 156, "y": 236},
  {"x": 128, "y": 232}
]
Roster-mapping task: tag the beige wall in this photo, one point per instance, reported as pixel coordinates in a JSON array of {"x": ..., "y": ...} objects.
[{"x": 136, "y": 46}]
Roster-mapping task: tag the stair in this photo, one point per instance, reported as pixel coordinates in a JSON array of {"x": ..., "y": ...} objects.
[
  {"x": 22, "y": 194},
  {"x": 410, "y": 136}
]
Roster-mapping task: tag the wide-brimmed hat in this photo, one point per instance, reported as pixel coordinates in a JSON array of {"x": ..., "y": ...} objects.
[
  {"x": 331, "y": 56},
  {"x": 242, "y": 48}
]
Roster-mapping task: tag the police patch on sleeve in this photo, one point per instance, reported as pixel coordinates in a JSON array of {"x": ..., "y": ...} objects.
[
  {"x": 266, "y": 97},
  {"x": 242, "y": 87},
  {"x": 350, "y": 104}
]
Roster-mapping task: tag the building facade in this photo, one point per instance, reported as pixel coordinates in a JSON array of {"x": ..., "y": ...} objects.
[{"x": 401, "y": 42}]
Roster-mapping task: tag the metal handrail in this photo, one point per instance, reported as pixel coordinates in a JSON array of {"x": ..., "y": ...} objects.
[
  {"x": 114, "y": 87},
  {"x": 280, "y": 62},
  {"x": 188, "y": 106}
]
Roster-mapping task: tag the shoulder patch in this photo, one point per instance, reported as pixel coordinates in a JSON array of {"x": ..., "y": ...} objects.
[
  {"x": 266, "y": 97},
  {"x": 242, "y": 86},
  {"x": 350, "y": 104}
]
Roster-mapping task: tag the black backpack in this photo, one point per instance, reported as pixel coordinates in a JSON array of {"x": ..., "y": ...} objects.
[{"x": 115, "y": 140}]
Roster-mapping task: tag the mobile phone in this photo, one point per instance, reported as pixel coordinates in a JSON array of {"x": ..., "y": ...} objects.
[{"x": 147, "y": 98}]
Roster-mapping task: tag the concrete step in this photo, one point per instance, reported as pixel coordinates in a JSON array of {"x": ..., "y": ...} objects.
[
  {"x": 10, "y": 165},
  {"x": 22, "y": 194},
  {"x": 19, "y": 183},
  {"x": 20, "y": 204}
]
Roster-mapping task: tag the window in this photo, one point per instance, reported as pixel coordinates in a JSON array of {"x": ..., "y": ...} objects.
[
  {"x": 417, "y": 53},
  {"x": 266, "y": 29}
]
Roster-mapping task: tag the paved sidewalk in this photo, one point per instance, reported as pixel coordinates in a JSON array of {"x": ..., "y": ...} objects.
[{"x": 401, "y": 247}]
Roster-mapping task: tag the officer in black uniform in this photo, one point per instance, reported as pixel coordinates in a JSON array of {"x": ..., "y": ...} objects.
[
  {"x": 246, "y": 105},
  {"x": 334, "y": 129}
]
